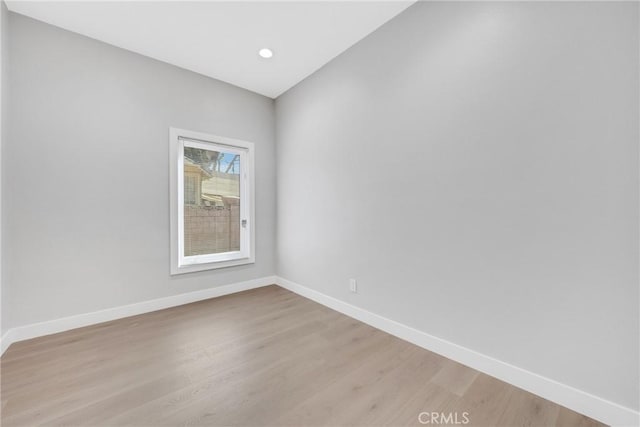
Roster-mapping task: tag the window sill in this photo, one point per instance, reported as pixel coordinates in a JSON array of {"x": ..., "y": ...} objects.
[{"x": 192, "y": 268}]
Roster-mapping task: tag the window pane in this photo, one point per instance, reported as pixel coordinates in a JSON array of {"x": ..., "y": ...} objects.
[{"x": 211, "y": 201}]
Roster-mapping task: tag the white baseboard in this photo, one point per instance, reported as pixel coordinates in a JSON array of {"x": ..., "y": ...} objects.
[
  {"x": 72, "y": 322},
  {"x": 6, "y": 341},
  {"x": 562, "y": 394}
]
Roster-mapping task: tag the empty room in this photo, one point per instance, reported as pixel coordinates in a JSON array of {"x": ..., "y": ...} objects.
[{"x": 320, "y": 213}]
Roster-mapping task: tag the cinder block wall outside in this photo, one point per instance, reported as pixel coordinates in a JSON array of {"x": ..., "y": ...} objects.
[{"x": 210, "y": 230}]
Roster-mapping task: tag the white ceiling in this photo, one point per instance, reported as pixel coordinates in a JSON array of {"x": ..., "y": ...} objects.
[{"x": 222, "y": 39}]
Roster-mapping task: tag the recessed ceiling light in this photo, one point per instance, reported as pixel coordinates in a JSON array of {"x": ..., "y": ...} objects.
[{"x": 266, "y": 53}]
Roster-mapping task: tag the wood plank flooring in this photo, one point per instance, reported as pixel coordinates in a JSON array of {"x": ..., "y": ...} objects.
[{"x": 261, "y": 357}]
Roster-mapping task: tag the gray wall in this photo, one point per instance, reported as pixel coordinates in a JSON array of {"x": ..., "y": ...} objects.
[
  {"x": 86, "y": 177},
  {"x": 475, "y": 167},
  {"x": 4, "y": 91}
]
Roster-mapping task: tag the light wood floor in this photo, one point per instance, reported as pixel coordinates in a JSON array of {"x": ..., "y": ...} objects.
[{"x": 261, "y": 357}]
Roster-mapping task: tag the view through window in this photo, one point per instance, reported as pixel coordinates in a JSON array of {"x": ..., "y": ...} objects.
[{"x": 211, "y": 201}]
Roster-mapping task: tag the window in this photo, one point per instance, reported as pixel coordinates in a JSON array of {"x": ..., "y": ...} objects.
[{"x": 211, "y": 192}]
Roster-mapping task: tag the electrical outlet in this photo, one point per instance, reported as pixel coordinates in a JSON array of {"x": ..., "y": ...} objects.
[{"x": 353, "y": 286}]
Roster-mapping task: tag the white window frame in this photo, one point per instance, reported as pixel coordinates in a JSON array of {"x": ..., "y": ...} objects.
[{"x": 178, "y": 138}]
